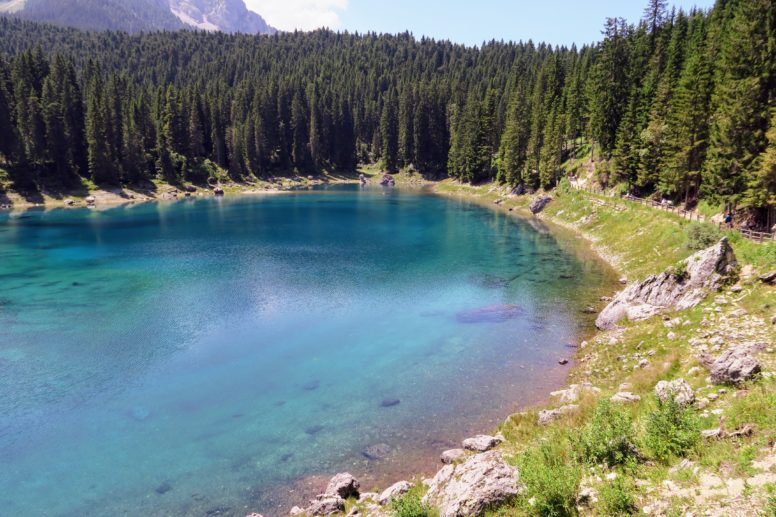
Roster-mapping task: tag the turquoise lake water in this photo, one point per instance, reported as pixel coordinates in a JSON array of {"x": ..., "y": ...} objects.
[{"x": 221, "y": 356}]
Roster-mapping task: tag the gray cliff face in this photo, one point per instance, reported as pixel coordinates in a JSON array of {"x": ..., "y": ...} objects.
[
  {"x": 220, "y": 15},
  {"x": 135, "y": 16},
  {"x": 705, "y": 271}
]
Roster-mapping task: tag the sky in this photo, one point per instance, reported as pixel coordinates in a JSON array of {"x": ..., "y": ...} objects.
[{"x": 559, "y": 22}]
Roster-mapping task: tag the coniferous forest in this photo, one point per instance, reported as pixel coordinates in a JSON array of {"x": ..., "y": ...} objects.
[{"x": 680, "y": 104}]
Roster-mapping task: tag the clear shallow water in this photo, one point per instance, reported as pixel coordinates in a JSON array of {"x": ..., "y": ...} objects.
[{"x": 210, "y": 357}]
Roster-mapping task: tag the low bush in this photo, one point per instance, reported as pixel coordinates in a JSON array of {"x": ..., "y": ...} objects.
[
  {"x": 617, "y": 498},
  {"x": 702, "y": 235},
  {"x": 551, "y": 476},
  {"x": 671, "y": 431},
  {"x": 608, "y": 437}
]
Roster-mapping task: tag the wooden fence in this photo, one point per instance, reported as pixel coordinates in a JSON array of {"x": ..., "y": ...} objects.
[{"x": 690, "y": 215}]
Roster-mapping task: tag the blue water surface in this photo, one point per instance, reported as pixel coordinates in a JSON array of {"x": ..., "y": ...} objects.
[{"x": 221, "y": 356}]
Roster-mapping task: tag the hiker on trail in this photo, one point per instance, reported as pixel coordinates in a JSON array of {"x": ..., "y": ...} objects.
[{"x": 729, "y": 219}]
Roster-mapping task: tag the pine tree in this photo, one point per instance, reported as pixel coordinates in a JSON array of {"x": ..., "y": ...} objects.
[
  {"x": 8, "y": 133},
  {"x": 514, "y": 142},
  {"x": 389, "y": 131},
  {"x": 407, "y": 134},
  {"x": 609, "y": 85},
  {"x": 300, "y": 148},
  {"x": 740, "y": 102},
  {"x": 101, "y": 169},
  {"x": 761, "y": 188},
  {"x": 56, "y": 140}
]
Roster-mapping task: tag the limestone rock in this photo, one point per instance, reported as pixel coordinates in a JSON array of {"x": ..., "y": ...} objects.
[
  {"x": 343, "y": 485},
  {"x": 453, "y": 455},
  {"x": 469, "y": 488},
  {"x": 550, "y": 415},
  {"x": 706, "y": 270},
  {"x": 393, "y": 492},
  {"x": 539, "y": 204},
  {"x": 481, "y": 443},
  {"x": 326, "y": 505},
  {"x": 681, "y": 391},
  {"x": 367, "y": 496},
  {"x": 734, "y": 366},
  {"x": 574, "y": 391},
  {"x": 625, "y": 397}
]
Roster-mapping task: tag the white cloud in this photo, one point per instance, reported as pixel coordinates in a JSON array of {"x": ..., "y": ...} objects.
[{"x": 299, "y": 14}]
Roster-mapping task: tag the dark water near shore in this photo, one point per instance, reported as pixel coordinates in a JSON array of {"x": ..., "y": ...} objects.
[{"x": 212, "y": 355}]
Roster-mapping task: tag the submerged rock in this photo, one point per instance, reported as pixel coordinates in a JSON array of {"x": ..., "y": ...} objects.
[
  {"x": 490, "y": 314},
  {"x": 734, "y": 366},
  {"x": 482, "y": 443},
  {"x": 471, "y": 487},
  {"x": 312, "y": 385},
  {"x": 163, "y": 488},
  {"x": 376, "y": 452},
  {"x": 140, "y": 413},
  {"x": 676, "y": 288}
]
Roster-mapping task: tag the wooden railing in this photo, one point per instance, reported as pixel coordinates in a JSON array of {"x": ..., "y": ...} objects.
[{"x": 690, "y": 215}]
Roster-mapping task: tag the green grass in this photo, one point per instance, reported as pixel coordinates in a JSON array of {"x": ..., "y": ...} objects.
[{"x": 410, "y": 504}]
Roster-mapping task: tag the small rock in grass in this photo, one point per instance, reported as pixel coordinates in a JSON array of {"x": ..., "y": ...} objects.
[
  {"x": 625, "y": 397},
  {"x": 679, "y": 389},
  {"x": 548, "y": 416}
]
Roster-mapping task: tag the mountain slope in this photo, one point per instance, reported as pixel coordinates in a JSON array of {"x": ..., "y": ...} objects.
[
  {"x": 141, "y": 15},
  {"x": 223, "y": 15}
]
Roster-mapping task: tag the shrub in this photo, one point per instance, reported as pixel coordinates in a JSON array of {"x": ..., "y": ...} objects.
[
  {"x": 617, "y": 498},
  {"x": 608, "y": 437},
  {"x": 679, "y": 270},
  {"x": 410, "y": 505},
  {"x": 671, "y": 431},
  {"x": 701, "y": 236},
  {"x": 552, "y": 478}
]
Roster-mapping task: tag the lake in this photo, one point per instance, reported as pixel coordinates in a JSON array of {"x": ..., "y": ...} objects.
[{"x": 221, "y": 356}]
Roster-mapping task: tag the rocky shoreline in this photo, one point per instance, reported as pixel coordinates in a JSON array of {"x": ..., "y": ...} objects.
[{"x": 476, "y": 476}]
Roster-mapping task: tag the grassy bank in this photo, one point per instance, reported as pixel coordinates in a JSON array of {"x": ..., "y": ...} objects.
[{"x": 645, "y": 456}]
